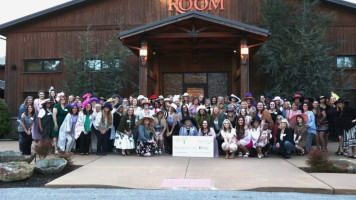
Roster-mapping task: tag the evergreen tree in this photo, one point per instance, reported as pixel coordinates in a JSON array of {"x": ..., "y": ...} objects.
[
  {"x": 5, "y": 123},
  {"x": 102, "y": 72},
  {"x": 296, "y": 57}
]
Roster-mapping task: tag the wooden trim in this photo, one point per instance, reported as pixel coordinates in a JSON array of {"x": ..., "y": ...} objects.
[{"x": 200, "y": 35}]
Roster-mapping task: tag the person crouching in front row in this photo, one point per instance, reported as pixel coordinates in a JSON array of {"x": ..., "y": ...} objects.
[
  {"x": 146, "y": 144},
  {"x": 229, "y": 136}
]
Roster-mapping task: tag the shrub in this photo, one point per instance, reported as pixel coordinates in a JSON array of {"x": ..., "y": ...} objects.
[
  {"x": 319, "y": 162},
  {"x": 68, "y": 157},
  {"x": 5, "y": 123},
  {"x": 43, "y": 148}
]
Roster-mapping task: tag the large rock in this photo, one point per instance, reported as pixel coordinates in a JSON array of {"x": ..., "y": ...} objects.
[
  {"x": 345, "y": 165},
  {"x": 50, "y": 166},
  {"x": 15, "y": 171},
  {"x": 11, "y": 156}
]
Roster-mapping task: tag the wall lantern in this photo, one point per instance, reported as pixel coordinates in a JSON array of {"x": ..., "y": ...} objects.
[
  {"x": 244, "y": 51},
  {"x": 143, "y": 52}
]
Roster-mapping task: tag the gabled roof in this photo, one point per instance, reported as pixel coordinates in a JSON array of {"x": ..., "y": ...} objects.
[
  {"x": 342, "y": 3},
  {"x": 198, "y": 15},
  {"x": 71, "y": 4}
]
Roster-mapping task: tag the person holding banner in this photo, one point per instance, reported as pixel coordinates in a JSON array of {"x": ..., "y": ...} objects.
[
  {"x": 188, "y": 129},
  {"x": 146, "y": 144},
  {"x": 206, "y": 130},
  {"x": 229, "y": 135}
]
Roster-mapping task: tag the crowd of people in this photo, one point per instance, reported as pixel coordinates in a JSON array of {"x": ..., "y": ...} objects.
[{"x": 243, "y": 127}]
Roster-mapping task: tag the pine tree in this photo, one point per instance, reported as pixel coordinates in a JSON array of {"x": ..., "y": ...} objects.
[
  {"x": 5, "y": 123},
  {"x": 296, "y": 57},
  {"x": 102, "y": 72}
]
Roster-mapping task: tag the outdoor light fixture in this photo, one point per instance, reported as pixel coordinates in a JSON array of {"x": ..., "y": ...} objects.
[
  {"x": 244, "y": 51},
  {"x": 143, "y": 52}
]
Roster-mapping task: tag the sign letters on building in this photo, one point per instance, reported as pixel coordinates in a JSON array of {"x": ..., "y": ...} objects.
[{"x": 183, "y": 6}]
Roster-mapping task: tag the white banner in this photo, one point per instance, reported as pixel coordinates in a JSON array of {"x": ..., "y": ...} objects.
[{"x": 193, "y": 146}]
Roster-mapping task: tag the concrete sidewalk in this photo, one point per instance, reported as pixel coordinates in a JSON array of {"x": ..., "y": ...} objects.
[{"x": 266, "y": 174}]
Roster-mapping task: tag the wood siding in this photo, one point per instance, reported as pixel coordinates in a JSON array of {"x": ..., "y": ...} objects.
[{"x": 56, "y": 34}]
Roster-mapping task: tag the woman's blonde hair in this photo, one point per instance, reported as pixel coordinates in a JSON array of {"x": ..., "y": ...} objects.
[
  {"x": 230, "y": 125},
  {"x": 108, "y": 116},
  {"x": 284, "y": 120}
]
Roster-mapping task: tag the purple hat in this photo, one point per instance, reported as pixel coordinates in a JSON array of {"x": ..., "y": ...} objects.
[
  {"x": 74, "y": 105},
  {"x": 94, "y": 99}
]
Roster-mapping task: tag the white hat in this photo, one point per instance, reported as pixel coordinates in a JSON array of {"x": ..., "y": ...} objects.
[
  {"x": 278, "y": 98},
  {"x": 173, "y": 105},
  {"x": 160, "y": 97},
  {"x": 140, "y": 97},
  {"x": 185, "y": 95},
  {"x": 201, "y": 107},
  {"x": 167, "y": 99}
]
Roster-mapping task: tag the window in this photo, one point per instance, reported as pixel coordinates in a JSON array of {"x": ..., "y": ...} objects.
[
  {"x": 46, "y": 66},
  {"x": 346, "y": 61},
  {"x": 99, "y": 64}
]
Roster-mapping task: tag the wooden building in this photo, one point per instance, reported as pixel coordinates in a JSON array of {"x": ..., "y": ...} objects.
[{"x": 192, "y": 44}]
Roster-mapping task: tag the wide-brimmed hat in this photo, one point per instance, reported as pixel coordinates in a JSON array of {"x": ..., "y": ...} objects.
[
  {"x": 278, "y": 98},
  {"x": 110, "y": 100},
  {"x": 201, "y": 107},
  {"x": 187, "y": 118},
  {"x": 160, "y": 97},
  {"x": 153, "y": 97},
  {"x": 116, "y": 95},
  {"x": 102, "y": 99},
  {"x": 341, "y": 100},
  {"x": 296, "y": 96},
  {"x": 59, "y": 96},
  {"x": 145, "y": 102},
  {"x": 141, "y": 121},
  {"x": 140, "y": 97},
  {"x": 85, "y": 103},
  {"x": 249, "y": 96},
  {"x": 165, "y": 113},
  {"x": 45, "y": 102},
  {"x": 304, "y": 116},
  {"x": 185, "y": 95},
  {"x": 86, "y": 96},
  {"x": 233, "y": 96},
  {"x": 255, "y": 120},
  {"x": 173, "y": 105},
  {"x": 95, "y": 99},
  {"x": 230, "y": 110},
  {"x": 107, "y": 105},
  {"x": 167, "y": 99}
]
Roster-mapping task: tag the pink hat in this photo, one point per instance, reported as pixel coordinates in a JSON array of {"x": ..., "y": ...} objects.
[
  {"x": 59, "y": 96},
  {"x": 87, "y": 96},
  {"x": 85, "y": 103}
]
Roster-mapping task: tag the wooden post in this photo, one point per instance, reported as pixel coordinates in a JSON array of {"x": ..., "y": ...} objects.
[
  {"x": 244, "y": 69},
  {"x": 156, "y": 73},
  {"x": 143, "y": 79},
  {"x": 233, "y": 74}
]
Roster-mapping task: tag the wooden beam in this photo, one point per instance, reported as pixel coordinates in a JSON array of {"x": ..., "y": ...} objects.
[
  {"x": 143, "y": 79},
  {"x": 233, "y": 74},
  {"x": 198, "y": 46},
  {"x": 244, "y": 74},
  {"x": 200, "y": 35}
]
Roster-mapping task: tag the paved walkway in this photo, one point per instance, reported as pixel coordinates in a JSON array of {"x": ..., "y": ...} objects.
[{"x": 166, "y": 172}]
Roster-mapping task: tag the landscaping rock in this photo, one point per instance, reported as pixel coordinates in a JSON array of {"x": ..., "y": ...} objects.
[
  {"x": 15, "y": 171},
  {"x": 11, "y": 156},
  {"x": 50, "y": 166},
  {"x": 345, "y": 165}
]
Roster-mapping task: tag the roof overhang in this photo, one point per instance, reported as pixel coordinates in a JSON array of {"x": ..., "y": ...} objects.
[{"x": 177, "y": 31}]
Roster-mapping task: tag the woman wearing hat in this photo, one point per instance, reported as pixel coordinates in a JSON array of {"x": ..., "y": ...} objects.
[
  {"x": 52, "y": 94},
  {"x": 300, "y": 131},
  {"x": 188, "y": 129},
  {"x": 82, "y": 128},
  {"x": 173, "y": 126},
  {"x": 160, "y": 126},
  {"x": 166, "y": 104},
  {"x": 206, "y": 130},
  {"x": 312, "y": 127},
  {"x": 124, "y": 139},
  {"x": 66, "y": 140},
  {"x": 27, "y": 120},
  {"x": 201, "y": 115},
  {"x": 231, "y": 116},
  {"x": 228, "y": 134},
  {"x": 346, "y": 126},
  {"x": 285, "y": 140},
  {"x": 60, "y": 111},
  {"x": 251, "y": 104},
  {"x": 103, "y": 122},
  {"x": 234, "y": 102},
  {"x": 193, "y": 108},
  {"x": 146, "y": 112},
  {"x": 45, "y": 119},
  {"x": 186, "y": 100},
  {"x": 146, "y": 144},
  {"x": 290, "y": 113}
]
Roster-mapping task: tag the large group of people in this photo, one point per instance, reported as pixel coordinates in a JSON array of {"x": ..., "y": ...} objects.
[{"x": 243, "y": 127}]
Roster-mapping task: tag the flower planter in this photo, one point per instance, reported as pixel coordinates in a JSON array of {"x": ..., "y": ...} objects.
[
  {"x": 15, "y": 171},
  {"x": 11, "y": 156},
  {"x": 50, "y": 166}
]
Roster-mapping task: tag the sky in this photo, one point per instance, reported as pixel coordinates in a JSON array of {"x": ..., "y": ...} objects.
[{"x": 11, "y": 10}]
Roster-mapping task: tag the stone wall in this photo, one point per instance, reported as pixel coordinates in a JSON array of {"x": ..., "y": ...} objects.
[
  {"x": 172, "y": 84},
  {"x": 217, "y": 84}
]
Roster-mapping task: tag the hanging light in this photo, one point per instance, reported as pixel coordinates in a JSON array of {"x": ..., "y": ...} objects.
[
  {"x": 244, "y": 51},
  {"x": 143, "y": 52}
]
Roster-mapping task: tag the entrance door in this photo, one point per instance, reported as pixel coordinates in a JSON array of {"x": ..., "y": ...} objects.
[{"x": 195, "y": 90}]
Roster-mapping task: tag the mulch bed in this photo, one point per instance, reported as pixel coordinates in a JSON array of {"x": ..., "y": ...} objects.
[
  {"x": 308, "y": 170},
  {"x": 38, "y": 180}
]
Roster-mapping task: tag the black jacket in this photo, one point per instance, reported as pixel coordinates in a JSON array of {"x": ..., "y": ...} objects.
[
  {"x": 288, "y": 137},
  {"x": 344, "y": 118}
]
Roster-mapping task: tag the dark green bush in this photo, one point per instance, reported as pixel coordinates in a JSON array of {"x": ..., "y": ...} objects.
[{"x": 5, "y": 123}]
